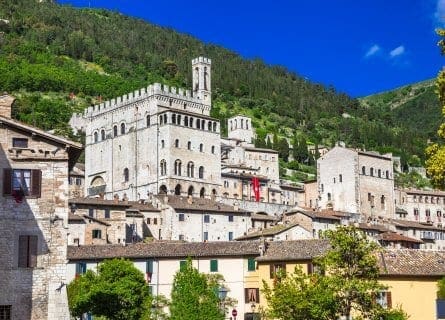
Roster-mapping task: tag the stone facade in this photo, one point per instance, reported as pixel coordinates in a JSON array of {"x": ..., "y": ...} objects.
[
  {"x": 34, "y": 168},
  {"x": 76, "y": 181},
  {"x": 356, "y": 182}
]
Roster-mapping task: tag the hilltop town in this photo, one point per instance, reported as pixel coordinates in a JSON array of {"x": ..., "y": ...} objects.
[{"x": 160, "y": 183}]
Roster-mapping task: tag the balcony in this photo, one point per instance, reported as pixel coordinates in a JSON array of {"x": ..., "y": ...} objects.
[
  {"x": 97, "y": 190},
  {"x": 427, "y": 235}
]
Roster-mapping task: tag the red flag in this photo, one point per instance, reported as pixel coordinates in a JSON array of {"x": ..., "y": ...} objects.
[{"x": 256, "y": 188}]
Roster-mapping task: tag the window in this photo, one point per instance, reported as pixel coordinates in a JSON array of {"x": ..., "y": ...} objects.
[
  {"x": 96, "y": 136},
  {"x": 174, "y": 118},
  {"x": 78, "y": 181},
  {"x": 322, "y": 187},
  {"x": 97, "y": 234},
  {"x": 148, "y": 270},
  {"x": 27, "y": 251},
  {"x": 165, "y": 118},
  {"x": 189, "y": 145},
  {"x": 148, "y": 220},
  {"x": 203, "y": 124},
  {"x": 155, "y": 220},
  {"x": 91, "y": 212},
  {"x": 201, "y": 147},
  {"x": 209, "y": 126},
  {"x": 5, "y": 312},
  {"x": 201, "y": 172},
  {"x": 382, "y": 202},
  {"x": 190, "y": 169},
  {"x": 178, "y": 165},
  {"x": 213, "y": 265},
  {"x": 181, "y": 237},
  {"x": 340, "y": 178},
  {"x": 182, "y": 265},
  {"x": 251, "y": 266},
  {"x": 81, "y": 268},
  {"x": 19, "y": 143},
  {"x": 213, "y": 149},
  {"x": 162, "y": 144},
  {"x": 126, "y": 175},
  {"x": 122, "y": 128},
  {"x": 198, "y": 124},
  {"x": 363, "y": 170},
  {"x": 379, "y": 173},
  {"x": 177, "y": 143},
  {"x": 206, "y": 218},
  {"x": 163, "y": 167},
  {"x": 186, "y": 121},
  {"x": 230, "y": 217},
  {"x": 102, "y": 135},
  {"x": 147, "y": 119},
  {"x": 384, "y": 299},
  {"x": 115, "y": 131},
  {"x": 179, "y": 119},
  {"x": 371, "y": 172},
  {"x": 181, "y": 217},
  {"x": 214, "y": 126},
  {"x": 191, "y": 122},
  {"x": 107, "y": 213},
  {"x": 276, "y": 268},
  {"x": 387, "y": 174},
  {"x": 22, "y": 182},
  {"x": 329, "y": 196},
  {"x": 252, "y": 295},
  {"x": 230, "y": 235},
  {"x": 206, "y": 236}
]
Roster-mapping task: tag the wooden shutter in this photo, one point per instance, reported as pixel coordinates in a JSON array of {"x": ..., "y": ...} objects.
[
  {"x": 310, "y": 268},
  {"x": 272, "y": 271},
  {"x": 388, "y": 300},
  {"x": 7, "y": 181},
  {"x": 257, "y": 295},
  {"x": 36, "y": 183},
  {"x": 32, "y": 249},
  {"x": 23, "y": 251}
]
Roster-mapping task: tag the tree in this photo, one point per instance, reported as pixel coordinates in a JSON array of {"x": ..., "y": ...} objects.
[
  {"x": 117, "y": 291},
  {"x": 345, "y": 282},
  {"x": 435, "y": 163},
  {"x": 283, "y": 149},
  {"x": 194, "y": 296}
]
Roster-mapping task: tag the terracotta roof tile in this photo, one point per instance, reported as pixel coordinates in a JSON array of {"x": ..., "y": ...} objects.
[
  {"x": 268, "y": 231},
  {"x": 395, "y": 237},
  {"x": 294, "y": 250},
  {"x": 198, "y": 204},
  {"x": 409, "y": 262}
]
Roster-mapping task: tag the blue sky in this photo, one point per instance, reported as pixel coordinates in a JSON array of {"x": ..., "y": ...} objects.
[{"x": 359, "y": 47}]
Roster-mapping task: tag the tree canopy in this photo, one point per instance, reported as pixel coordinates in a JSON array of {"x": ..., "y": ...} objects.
[{"x": 117, "y": 291}]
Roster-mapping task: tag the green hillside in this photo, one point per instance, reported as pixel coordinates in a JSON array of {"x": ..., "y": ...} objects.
[{"x": 49, "y": 53}]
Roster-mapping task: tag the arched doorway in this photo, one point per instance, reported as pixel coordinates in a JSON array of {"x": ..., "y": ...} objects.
[
  {"x": 202, "y": 193},
  {"x": 190, "y": 191},
  {"x": 163, "y": 189},
  {"x": 178, "y": 190}
]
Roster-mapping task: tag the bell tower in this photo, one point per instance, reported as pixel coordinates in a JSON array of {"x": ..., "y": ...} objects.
[{"x": 201, "y": 70}]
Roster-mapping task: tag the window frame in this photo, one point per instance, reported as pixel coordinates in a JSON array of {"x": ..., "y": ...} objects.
[
  {"x": 213, "y": 265},
  {"x": 17, "y": 141}
]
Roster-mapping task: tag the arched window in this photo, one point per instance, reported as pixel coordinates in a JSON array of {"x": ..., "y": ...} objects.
[
  {"x": 202, "y": 193},
  {"x": 126, "y": 175},
  {"x": 371, "y": 172},
  {"x": 174, "y": 118},
  {"x": 379, "y": 173},
  {"x": 231, "y": 125},
  {"x": 197, "y": 79},
  {"x": 242, "y": 123},
  {"x": 214, "y": 126},
  {"x": 213, "y": 149},
  {"x": 364, "y": 170},
  {"x": 162, "y": 144},
  {"x": 163, "y": 166},
  {"x": 148, "y": 120},
  {"x": 102, "y": 134},
  {"x": 247, "y": 124},
  {"x": 382, "y": 202},
  {"x": 198, "y": 124},
  {"x": 178, "y": 165},
  {"x": 206, "y": 75},
  {"x": 387, "y": 174},
  {"x": 178, "y": 120},
  {"x": 122, "y": 128},
  {"x": 96, "y": 136},
  {"x": 177, "y": 143},
  {"x": 203, "y": 124},
  {"x": 165, "y": 118},
  {"x": 114, "y": 131},
  {"x": 186, "y": 121},
  {"x": 201, "y": 172},
  {"x": 209, "y": 125},
  {"x": 329, "y": 196},
  {"x": 191, "y": 122},
  {"x": 163, "y": 189},
  {"x": 201, "y": 147},
  {"x": 190, "y": 169},
  {"x": 190, "y": 191},
  {"x": 214, "y": 192},
  {"x": 189, "y": 145},
  {"x": 178, "y": 190},
  {"x": 161, "y": 119}
]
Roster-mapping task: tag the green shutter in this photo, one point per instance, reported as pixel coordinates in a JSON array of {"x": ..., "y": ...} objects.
[
  {"x": 182, "y": 265},
  {"x": 213, "y": 265},
  {"x": 149, "y": 266},
  {"x": 251, "y": 264}
]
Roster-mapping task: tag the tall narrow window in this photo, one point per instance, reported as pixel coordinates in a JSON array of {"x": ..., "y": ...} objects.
[
  {"x": 178, "y": 165},
  {"x": 174, "y": 118},
  {"x": 102, "y": 134},
  {"x": 96, "y": 136},
  {"x": 214, "y": 126},
  {"x": 209, "y": 126},
  {"x": 126, "y": 175},
  {"x": 163, "y": 165},
  {"x": 201, "y": 147},
  {"x": 190, "y": 169},
  {"x": 213, "y": 265},
  {"x": 189, "y": 145},
  {"x": 201, "y": 172},
  {"x": 177, "y": 143},
  {"x": 114, "y": 131},
  {"x": 371, "y": 173},
  {"x": 27, "y": 251},
  {"x": 122, "y": 128},
  {"x": 363, "y": 170},
  {"x": 198, "y": 124},
  {"x": 213, "y": 149},
  {"x": 147, "y": 119},
  {"x": 191, "y": 122},
  {"x": 186, "y": 121}
]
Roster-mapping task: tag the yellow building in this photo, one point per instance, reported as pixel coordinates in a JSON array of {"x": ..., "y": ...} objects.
[{"x": 410, "y": 275}]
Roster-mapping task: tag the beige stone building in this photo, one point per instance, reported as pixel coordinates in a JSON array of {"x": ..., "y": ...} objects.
[
  {"x": 358, "y": 182},
  {"x": 76, "y": 181},
  {"x": 34, "y": 168}
]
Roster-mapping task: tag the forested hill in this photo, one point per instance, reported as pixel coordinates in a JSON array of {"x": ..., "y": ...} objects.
[{"x": 58, "y": 59}]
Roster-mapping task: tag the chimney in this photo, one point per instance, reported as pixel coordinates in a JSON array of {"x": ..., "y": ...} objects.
[{"x": 6, "y": 102}]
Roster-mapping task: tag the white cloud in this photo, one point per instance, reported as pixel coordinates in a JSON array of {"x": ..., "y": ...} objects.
[
  {"x": 440, "y": 12},
  {"x": 397, "y": 51},
  {"x": 372, "y": 51}
]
